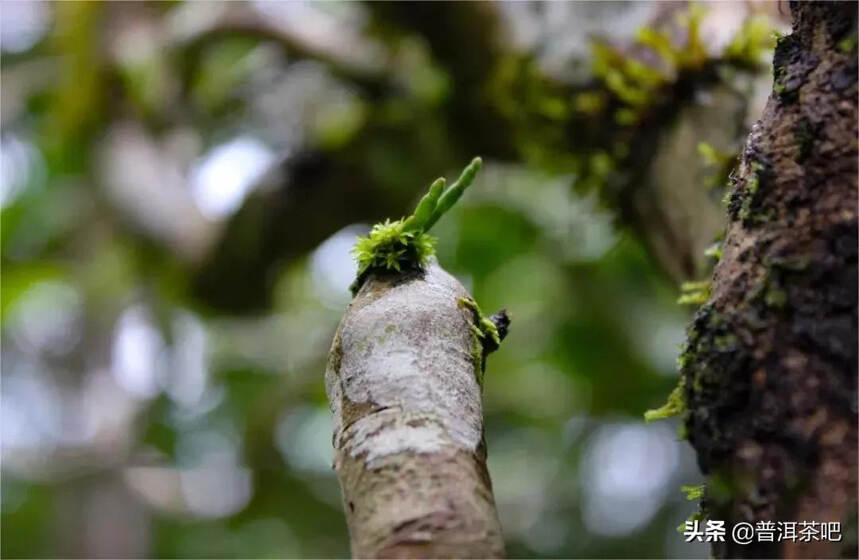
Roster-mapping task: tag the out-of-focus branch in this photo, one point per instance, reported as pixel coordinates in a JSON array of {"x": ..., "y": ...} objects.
[
  {"x": 501, "y": 107},
  {"x": 242, "y": 21},
  {"x": 664, "y": 198},
  {"x": 465, "y": 39},
  {"x": 319, "y": 192},
  {"x": 315, "y": 194}
]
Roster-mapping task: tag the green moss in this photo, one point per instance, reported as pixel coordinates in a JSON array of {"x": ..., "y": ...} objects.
[
  {"x": 675, "y": 405},
  {"x": 694, "y": 492},
  {"x": 389, "y": 246},
  {"x": 485, "y": 327},
  {"x": 626, "y": 117},
  {"x": 708, "y": 153},
  {"x": 728, "y": 197},
  {"x": 746, "y": 204},
  {"x": 714, "y": 251},
  {"x": 720, "y": 487},
  {"x": 485, "y": 337},
  {"x": 477, "y": 354},
  {"x": 697, "y": 515},
  {"x": 404, "y": 244},
  {"x": 694, "y": 293},
  {"x": 793, "y": 263},
  {"x": 690, "y": 53},
  {"x": 628, "y": 80},
  {"x": 660, "y": 42},
  {"x": 707, "y": 337},
  {"x": 752, "y": 41},
  {"x": 775, "y": 297},
  {"x": 647, "y": 83},
  {"x": 786, "y": 85},
  {"x": 770, "y": 290},
  {"x": 755, "y": 182},
  {"x": 589, "y": 103},
  {"x": 639, "y": 86},
  {"x": 724, "y": 342},
  {"x": 848, "y": 44}
]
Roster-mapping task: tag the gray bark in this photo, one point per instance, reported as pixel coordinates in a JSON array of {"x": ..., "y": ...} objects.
[{"x": 403, "y": 381}]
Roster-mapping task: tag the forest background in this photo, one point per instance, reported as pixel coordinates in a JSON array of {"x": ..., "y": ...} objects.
[{"x": 181, "y": 184}]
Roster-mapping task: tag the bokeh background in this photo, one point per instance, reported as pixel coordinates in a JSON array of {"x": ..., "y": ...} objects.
[{"x": 182, "y": 182}]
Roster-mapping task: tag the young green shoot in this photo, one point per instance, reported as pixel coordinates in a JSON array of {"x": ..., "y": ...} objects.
[{"x": 405, "y": 243}]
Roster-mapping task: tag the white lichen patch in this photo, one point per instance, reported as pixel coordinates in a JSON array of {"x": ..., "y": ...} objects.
[
  {"x": 389, "y": 432},
  {"x": 407, "y": 354}
]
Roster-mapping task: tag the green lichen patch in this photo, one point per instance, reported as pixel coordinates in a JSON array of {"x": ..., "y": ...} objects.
[
  {"x": 674, "y": 406},
  {"x": 404, "y": 244}
]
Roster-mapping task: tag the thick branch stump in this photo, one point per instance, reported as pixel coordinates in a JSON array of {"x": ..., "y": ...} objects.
[{"x": 771, "y": 360}]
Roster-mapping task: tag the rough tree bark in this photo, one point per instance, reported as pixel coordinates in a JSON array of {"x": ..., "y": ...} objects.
[
  {"x": 770, "y": 366},
  {"x": 404, "y": 383}
]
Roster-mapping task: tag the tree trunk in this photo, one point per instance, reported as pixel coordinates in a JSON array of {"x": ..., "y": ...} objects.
[
  {"x": 404, "y": 383},
  {"x": 770, "y": 365}
]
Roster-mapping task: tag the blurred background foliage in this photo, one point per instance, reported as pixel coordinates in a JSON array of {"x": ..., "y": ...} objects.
[{"x": 182, "y": 182}]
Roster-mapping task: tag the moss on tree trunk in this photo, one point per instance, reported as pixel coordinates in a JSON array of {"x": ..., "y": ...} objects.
[{"x": 770, "y": 366}]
